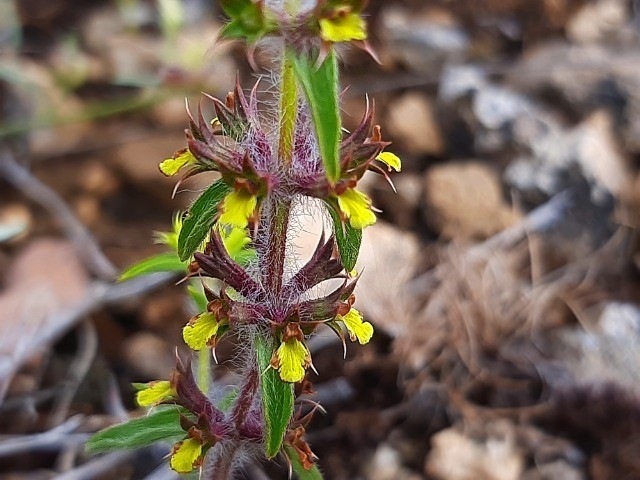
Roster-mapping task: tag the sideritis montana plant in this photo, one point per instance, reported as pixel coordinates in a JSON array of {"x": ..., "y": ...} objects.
[{"x": 233, "y": 243}]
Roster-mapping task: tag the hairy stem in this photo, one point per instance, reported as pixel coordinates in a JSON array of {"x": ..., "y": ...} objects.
[
  {"x": 246, "y": 397},
  {"x": 276, "y": 230},
  {"x": 221, "y": 466},
  {"x": 273, "y": 261}
]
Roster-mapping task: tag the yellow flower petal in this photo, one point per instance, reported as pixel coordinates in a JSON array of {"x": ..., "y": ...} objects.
[
  {"x": 197, "y": 335},
  {"x": 186, "y": 455},
  {"x": 238, "y": 207},
  {"x": 356, "y": 206},
  {"x": 343, "y": 28},
  {"x": 391, "y": 160},
  {"x": 171, "y": 166},
  {"x": 358, "y": 329},
  {"x": 293, "y": 357},
  {"x": 155, "y": 393}
]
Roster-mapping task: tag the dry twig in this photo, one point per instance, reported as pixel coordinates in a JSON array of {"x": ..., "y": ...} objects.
[
  {"x": 100, "y": 294},
  {"x": 87, "y": 349},
  {"x": 52, "y": 440},
  {"x": 34, "y": 189},
  {"x": 99, "y": 466}
]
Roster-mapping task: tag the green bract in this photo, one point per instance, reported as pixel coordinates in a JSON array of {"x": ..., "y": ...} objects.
[
  {"x": 248, "y": 20},
  {"x": 303, "y": 474},
  {"x": 200, "y": 219},
  {"x": 277, "y": 399},
  {"x": 321, "y": 87},
  {"x": 161, "y": 424},
  {"x": 348, "y": 239},
  {"x": 163, "y": 262}
]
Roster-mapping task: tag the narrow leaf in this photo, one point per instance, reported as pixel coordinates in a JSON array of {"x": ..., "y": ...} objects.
[
  {"x": 162, "y": 424},
  {"x": 234, "y": 8},
  {"x": 248, "y": 20},
  {"x": 321, "y": 88},
  {"x": 164, "y": 262},
  {"x": 200, "y": 219},
  {"x": 277, "y": 399},
  {"x": 348, "y": 239},
  {"x": 233, "y": 29},
  {"x": 313, "y": 473}
]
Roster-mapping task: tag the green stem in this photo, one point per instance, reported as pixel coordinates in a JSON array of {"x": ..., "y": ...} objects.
[{"x": 288, "y": 108}]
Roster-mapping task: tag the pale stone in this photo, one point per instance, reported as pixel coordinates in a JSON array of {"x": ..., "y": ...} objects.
[
  {"x": 455, "y": 456},
  {"x": 149, "y": 355},
  {"x": 413, "y": 126},
  {"x": 464, "y": 200}
]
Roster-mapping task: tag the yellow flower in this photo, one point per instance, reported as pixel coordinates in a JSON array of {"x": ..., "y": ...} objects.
[
  {"x": 293, "y": 358},
  {"x": 357, "y": 328},
  {"x": 343, "y": 28},
  {"x": 186, "y": 455},
  {"x": 391, "y": 160},
  {"x": 171, "y": 166},
  {"x": 170, "y": 239},
  {"x": 356, "y": 206},
  {"x": 197, "y": 334},
  {"x": 155, "y": 393},
  {"x": 238, "y": 207}
]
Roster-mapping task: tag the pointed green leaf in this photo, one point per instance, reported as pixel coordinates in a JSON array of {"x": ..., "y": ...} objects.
[
  {"x": 248, "y": 20},
  {"x": 200, "y": 219},
  {"x": 234, "y": 8},
  {"x": 233, "y": 29},
  {"x": 161, "y": 424},
  {"x": 137, "y": 386},
  {"x": 348, "y": 239},
  {"x": 277, "y": 399},
  {"x": 321, "y": 88},
  {"x": 164, "y": 262},
  {"x": 312, "y": 474}
]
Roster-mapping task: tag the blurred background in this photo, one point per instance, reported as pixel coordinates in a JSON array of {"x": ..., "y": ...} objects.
[{"x": 503, "y": 279}]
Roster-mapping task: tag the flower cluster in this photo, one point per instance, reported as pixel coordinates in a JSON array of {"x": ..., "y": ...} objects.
[
  {"x": 330, "y": 21},
  {"x": 204, "y": 424},
  {"x": 358, "y": 154},
  {"x": 231, "y": 244},
  {"x": 289, "y": 317},
  {"x": 236, "y": 145}
]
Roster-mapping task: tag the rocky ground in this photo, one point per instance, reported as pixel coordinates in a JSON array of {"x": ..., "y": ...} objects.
[{"x": 503, "y": 279}]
